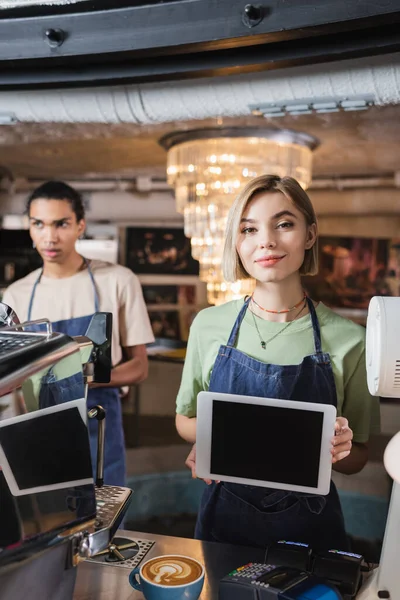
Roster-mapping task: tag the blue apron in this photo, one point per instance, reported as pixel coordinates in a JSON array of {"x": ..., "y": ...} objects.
[
  {"x": 255, "y": 516},
  {"x": 54, "y": 392}
]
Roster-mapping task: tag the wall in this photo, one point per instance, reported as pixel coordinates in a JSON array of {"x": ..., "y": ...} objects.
[
  {"x": 117, "y": 207},
  {"x": 158, "y": 393},
  {"x": 358, "y": 212}
]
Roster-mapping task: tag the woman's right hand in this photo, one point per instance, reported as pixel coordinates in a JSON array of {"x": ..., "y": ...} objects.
[{"x": 190, "y": 462}]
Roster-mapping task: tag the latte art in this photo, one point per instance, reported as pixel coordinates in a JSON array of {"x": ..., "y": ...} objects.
[{"x": 171, "y": 570}]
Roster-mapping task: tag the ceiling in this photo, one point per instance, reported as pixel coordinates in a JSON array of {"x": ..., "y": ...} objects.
[{"x": 352, "y": 143}]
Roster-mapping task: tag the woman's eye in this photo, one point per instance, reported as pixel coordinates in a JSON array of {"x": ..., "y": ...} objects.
[
  {"x": 285, "y": 225},
  {"x": 248, "y": 230}
]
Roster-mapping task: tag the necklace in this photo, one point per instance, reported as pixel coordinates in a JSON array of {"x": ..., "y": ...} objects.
[
  {"x": 263, "y": 342},
  {"x": 279, "y": 312}
]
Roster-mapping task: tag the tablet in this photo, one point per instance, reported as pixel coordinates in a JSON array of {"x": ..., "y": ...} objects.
[
  {"x": 47, "y": 449},
  {"x": 267, "y": 442}
]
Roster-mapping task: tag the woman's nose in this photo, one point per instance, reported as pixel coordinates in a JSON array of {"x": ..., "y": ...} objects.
[{"x": 268, "y": 244}]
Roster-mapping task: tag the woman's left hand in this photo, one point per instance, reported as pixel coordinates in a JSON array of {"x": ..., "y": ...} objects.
[{"x": 342, "y": 442}]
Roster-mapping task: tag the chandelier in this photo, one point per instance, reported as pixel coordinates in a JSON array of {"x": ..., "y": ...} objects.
[{"x": 207, "y": 168}]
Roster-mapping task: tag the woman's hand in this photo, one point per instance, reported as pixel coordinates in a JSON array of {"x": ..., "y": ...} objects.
[
  {"x": 190, "y": 462},
  {"x": 342, "y": 442}
]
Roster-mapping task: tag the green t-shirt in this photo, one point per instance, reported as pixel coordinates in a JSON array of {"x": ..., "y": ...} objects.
[{"x": 342, "y": 339}]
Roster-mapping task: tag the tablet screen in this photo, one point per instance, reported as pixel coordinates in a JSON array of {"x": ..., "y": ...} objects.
[
  {"x": 41, "y": 451},
  {"x": 266, "y": 443}
]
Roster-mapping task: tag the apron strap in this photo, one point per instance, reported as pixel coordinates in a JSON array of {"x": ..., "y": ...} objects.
[
  {"x": 235, "y": 329},
  {"x": 33, "y": 295},
  {"x": 315, "y": 326},
  {"x": 96, "y": 296}
]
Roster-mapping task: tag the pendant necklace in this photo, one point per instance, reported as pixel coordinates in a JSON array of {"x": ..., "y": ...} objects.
[{"x": 263, "y": 342}]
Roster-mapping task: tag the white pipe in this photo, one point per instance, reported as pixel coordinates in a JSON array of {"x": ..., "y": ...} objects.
[
  {"x": 377, "y": 76},
  {"x": 113, "y": 206},
  {"x": 342, "y": 183}
]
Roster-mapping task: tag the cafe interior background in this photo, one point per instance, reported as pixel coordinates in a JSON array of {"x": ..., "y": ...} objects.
[{"x": 155, "y": 162}]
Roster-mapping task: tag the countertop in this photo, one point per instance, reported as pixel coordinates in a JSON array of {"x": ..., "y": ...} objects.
[{"x": 102, "y": 581}]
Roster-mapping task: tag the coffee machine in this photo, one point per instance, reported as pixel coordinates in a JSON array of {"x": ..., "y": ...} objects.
[{"x": 53, "y": 514}]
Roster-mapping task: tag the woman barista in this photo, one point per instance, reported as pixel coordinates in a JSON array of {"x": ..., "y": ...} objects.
[
  {"x": 278, "y": 343},
  {"x": 68, "y": 290}
]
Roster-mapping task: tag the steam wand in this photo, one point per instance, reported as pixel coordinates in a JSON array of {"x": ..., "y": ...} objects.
[{"x": 97, "y": 368}]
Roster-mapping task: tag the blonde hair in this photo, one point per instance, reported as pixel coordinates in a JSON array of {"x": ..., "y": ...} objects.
[{"x": 289, "y": 187}]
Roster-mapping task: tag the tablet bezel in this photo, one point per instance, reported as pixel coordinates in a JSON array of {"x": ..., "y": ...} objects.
[
  {"x": 204, "y": 435},
  {"x": 80, "y": 404}
]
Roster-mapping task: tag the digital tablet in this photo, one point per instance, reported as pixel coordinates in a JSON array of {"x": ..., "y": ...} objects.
[
  {"x": 267, "y": 442},
  {"x": 47, "y": 449}
]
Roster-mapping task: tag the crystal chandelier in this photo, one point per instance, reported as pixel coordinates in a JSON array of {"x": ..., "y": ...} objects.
[{"x": 207, "y": 168}]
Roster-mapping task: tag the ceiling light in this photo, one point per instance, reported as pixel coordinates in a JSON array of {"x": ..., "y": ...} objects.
[{"x": 312, "y": 105}]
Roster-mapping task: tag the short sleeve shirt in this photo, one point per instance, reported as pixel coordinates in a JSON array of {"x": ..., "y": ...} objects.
[
  {"x": 342, "y": 339},
  {"x": 119, "y": 292}
]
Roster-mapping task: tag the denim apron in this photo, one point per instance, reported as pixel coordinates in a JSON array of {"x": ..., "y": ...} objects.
[
  {"x": 54, "y": 392},
  {"x": 255, "y": 516}
]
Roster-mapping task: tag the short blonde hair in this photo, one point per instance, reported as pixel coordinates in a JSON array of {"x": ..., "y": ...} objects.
[{"x": 231, "y": 264}]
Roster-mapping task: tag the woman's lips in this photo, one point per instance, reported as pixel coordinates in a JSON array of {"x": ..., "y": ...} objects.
[{"x": 269, "y": 261}]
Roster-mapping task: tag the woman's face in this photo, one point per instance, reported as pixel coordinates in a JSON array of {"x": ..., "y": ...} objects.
[
  {"x": 54, "y": 229},
  {"x": 273, "y": 236}
]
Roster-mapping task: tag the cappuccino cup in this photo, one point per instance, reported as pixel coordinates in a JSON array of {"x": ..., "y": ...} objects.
[{"x": 169, "y": 577}]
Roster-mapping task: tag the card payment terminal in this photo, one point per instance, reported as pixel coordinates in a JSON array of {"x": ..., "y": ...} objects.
[{"x": 257, "y": 581}]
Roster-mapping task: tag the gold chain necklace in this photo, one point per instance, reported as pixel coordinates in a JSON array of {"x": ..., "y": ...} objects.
[
  {"x": 263, "y": 342},
  {"x": 278, "y": 312}
]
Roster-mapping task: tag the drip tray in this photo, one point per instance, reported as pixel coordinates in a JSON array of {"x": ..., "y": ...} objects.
[{"x": 124, "y": 552}]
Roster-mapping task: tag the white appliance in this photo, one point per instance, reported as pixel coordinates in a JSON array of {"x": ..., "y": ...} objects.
[
  {"x": 383, "y": 372},
  {"x": 99, "y": 249}
]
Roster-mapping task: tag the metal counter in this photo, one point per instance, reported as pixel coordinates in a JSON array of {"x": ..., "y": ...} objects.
[{"x": 102, "y": 582}]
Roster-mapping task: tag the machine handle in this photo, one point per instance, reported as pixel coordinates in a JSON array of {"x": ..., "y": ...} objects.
[
  {"x": 98, "y": 413},
  {"x": 99, "y": 332}
]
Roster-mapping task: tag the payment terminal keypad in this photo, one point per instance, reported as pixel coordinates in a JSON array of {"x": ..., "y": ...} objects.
[
  {"x": 251, "y": 571},
  {"x": 256, "y": 581}
]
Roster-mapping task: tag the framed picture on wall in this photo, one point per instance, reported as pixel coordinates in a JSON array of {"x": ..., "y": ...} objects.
[
  {"x": 17, "y": 256},
  {"x": 161, "y": 251},
  {"x": 165, "y": 324},
  {"x": 352, "y": 270}
]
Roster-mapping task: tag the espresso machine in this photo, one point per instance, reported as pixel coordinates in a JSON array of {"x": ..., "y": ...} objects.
[{"x": 53, "y": 513}]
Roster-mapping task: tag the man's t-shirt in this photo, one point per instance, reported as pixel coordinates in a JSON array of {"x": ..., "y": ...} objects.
[
  {"x": 342, "y": 339},
  {"x": 119, "y": 292}
]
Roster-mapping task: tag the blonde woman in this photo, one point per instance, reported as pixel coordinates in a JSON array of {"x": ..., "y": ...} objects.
[{"x": 278, "y": 343}]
